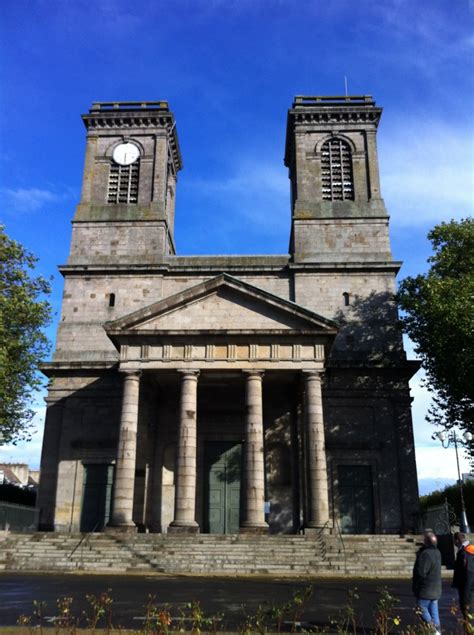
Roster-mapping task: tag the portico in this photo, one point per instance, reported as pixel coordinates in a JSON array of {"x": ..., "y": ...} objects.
[{"x": 289, "y": 347}]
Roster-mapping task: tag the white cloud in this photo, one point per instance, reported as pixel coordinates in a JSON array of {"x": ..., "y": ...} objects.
[
  {"x": 427, "y": 169},
  {"x": 28, "y": 199},
  {"x": 436, "y": 462}
]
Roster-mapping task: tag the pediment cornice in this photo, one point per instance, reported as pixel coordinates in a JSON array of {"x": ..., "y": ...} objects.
[{"x": 294, "y": 317}]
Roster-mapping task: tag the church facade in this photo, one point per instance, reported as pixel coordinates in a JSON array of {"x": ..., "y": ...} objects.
[{"x": 227, "y": 394}]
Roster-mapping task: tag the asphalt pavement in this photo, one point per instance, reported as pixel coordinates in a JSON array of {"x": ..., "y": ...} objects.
[{"x": 231, "y": 598}]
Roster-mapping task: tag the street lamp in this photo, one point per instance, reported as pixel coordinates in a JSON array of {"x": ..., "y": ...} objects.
[{"x": 446, "y": 438}]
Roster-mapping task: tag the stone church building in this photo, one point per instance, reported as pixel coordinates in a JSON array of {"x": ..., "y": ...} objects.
[{"x": 227, "y": 394}]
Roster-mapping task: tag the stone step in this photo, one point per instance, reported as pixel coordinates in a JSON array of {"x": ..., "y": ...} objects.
[{"x": 210, "y": 554}]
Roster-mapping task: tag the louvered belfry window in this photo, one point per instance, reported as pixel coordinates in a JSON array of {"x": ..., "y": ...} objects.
[
  {"x": 336, "y": 171},
  {"x": 123, "y": 183}
]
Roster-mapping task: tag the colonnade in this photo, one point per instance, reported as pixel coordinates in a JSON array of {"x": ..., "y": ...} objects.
[{"x": 253, "y": 508}]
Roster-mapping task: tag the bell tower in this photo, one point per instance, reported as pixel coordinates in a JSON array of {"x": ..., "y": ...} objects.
[
  {"x": 331, "y": 154},
  {"x": 126, "y": 211}
]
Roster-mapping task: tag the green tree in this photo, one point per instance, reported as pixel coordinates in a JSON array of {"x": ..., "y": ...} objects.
[
  {"x": 24, "y": 312},
  {"x": 439, "y": 318},
  {"x": 452, "y": 495}
]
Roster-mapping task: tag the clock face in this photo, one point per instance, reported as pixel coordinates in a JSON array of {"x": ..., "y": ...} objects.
[{"x": 126, "y": 153}]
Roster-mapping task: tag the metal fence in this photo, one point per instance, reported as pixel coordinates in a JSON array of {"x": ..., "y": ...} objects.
[
  {"x": 441, "y": 519},
  {"x": 18, "y": 517}
]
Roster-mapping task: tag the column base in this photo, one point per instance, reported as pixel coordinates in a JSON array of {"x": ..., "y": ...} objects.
[
  {"x": 254, "y": 529},
  {"x": 183, "y": 529},
  {"x": 121, "y": 529}
]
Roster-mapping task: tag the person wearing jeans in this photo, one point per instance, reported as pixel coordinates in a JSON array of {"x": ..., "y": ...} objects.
[{"x": 427, "y": 580}]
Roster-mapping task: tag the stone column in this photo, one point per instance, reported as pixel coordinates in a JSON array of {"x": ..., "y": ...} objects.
[
  {"x": 254, "y": 468},
  {"x": 124, "y": 482},
  {"x": 185, "y": 479},
  {"x": 317, "y": 482}
]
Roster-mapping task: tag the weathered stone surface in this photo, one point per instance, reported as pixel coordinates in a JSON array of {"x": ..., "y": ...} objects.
[{"x": 131, "y": 304}]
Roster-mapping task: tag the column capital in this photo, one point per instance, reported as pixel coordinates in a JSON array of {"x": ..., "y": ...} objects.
[
  {"x": 312, "y": 374},
  {"x": 130, "y": 374},
  {"x": 189, "y": 372},
  {"x": 254, "y": 373}
]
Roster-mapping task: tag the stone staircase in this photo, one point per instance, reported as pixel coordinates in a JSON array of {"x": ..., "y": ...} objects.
[
  {"x": 371, "y": 556},
  {"x": 282, "y": 555}
]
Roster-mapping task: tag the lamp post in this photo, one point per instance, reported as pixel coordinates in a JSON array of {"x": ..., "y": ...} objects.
[{"x": 446, "y": 439}]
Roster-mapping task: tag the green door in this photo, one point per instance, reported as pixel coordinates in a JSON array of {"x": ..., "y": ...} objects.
[
  {"x": 222, "y": 461},
  {"x": 96, "y": 496},
  {"x": 356, "y": 502}
]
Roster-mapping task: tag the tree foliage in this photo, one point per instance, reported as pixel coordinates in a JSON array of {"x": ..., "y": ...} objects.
[
  {"x": 439, "y": 318},
  {"x": 24, "y": 312},
  {"x": 452, "y": 494}
]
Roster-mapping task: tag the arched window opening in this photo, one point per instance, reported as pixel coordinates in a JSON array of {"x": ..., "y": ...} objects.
[
  {"x": 123, "y": 183},
  {"x": 346, "y": 297},
  {"x": 111, "y": 299},
  {"x": 336, "y": 171}
]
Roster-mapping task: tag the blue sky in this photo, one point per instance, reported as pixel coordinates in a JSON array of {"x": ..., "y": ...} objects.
[{"x": 229, "y": 70}]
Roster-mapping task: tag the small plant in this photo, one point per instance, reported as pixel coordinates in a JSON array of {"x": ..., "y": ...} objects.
[
  {"x": 465, "y": 622},
  {"x": 157, "y": 620},
  {"x": 199, "y": 620},
  {"x": 346, "y": 621},
  {"x": 277, "y": 615},
  {"x": 385, "y": 620},
  {"x": 101, "y": 609},
  {"x": 298, "y": 605},
  {"x": 266, "y": 619},
  {"x": 25, "y": 622},
  {"x": 65, "y": 619},
  {"x": 38, "y": 612}
]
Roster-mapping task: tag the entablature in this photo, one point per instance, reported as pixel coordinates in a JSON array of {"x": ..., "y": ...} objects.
[{"x": 155, "y": 352}]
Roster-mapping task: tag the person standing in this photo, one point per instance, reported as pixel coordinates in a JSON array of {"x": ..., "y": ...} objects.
[
  {"x": 426, "y": 581},
  {"x": 463, "y": 578}
]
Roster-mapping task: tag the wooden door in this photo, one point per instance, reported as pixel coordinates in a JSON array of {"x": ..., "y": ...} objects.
[
  {"x": 356, "y": 501},
  {"x": 223, "y": 468},
  {"x": 96, "y": 496}
]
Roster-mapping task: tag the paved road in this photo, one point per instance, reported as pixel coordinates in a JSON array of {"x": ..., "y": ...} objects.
[{"x": 216, "y": 595}]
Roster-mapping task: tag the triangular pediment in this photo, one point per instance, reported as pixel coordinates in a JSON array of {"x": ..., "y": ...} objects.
[{"x": 223, "y": 304}]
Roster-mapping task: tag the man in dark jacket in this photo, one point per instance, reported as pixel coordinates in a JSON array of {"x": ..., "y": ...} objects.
[
  {"x": 427, "y": 580},
  {"x": 463, "y": 579}
]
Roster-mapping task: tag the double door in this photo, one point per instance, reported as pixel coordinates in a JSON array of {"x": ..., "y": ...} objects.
[
  {"x": 96, "y": 496},
  {"x": 223, "y": 468},
  {"x": 356, "y": 501}
]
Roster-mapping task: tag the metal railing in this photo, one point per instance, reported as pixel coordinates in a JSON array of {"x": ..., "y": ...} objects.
[
  {"x": 310, "y": 100},
  {"x": 15, "y": 517},
  {"x": 83, "y": 540},
  {"x": 107, "y": 106}
]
